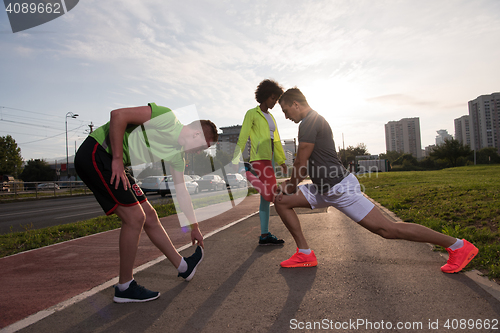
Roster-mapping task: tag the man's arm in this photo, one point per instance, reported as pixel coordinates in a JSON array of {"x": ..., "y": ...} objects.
[
  {"x": 119, "y": 120},
  {"x": 186, "y": 205},
  {"x": 299, "y": 172}
]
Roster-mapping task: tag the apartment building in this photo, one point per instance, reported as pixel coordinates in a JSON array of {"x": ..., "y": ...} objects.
[
  {"x": 484, "y": 113},
  {"x": 404, "y": 136},
  {"x": 228, "y": 139},
  {"x": 290, "y": 149},
  {"x": 462, "y": 130},
  {"x": 442, "y": 136}
]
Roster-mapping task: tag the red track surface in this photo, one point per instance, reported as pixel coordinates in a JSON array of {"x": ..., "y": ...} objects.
[{"x": 36, "y": 280}]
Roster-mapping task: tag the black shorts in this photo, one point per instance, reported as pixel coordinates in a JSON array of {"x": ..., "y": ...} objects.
[{"x": 93, "y": 165}]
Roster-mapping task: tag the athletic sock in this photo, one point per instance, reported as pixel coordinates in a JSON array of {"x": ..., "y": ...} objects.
[
  {"x": 124, "y": 286},
  {"x": 183, "y": 266},
  {"x": 305, "y": 251},
  {"x": 458, "y": 244}
]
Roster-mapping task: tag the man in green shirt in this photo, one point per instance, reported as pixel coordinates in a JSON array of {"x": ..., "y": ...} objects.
[{"x": 134, "y": 136}]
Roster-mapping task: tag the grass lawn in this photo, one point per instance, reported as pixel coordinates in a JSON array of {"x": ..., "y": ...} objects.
[{"x": 461, "y": 202}]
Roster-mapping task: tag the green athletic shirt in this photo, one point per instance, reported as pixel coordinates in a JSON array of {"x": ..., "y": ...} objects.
[{"x": 153, "y": 141}]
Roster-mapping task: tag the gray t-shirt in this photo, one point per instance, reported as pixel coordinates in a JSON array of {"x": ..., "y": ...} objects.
[{"x": 324, "y": 166}]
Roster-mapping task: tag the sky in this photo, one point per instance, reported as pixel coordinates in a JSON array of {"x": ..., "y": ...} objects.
[{"x": 360, "y": 64}]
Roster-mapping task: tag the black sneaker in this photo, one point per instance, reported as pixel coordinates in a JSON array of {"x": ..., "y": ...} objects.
[
  {"x": 270, "y": 239},
  {"x": 134, "y": 293},
  {"x": 192, "y": 263},
  {"x": 248, "y": 166}
]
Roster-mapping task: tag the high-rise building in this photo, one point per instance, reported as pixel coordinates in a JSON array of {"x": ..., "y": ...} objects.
[
  {"x": 290, "y": 149},
  {"x": 404, "y": 136},
  {"x": 484, "y": 113},
  {"x": 462, "y": 130},
  {"x": 442, "y": 137},
  {"x": 228, "y": 139}
]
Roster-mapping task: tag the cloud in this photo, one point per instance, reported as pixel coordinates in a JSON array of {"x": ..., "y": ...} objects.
[
  {"x": 401, "y": 100},
  {"x": 374, "y": 61}
]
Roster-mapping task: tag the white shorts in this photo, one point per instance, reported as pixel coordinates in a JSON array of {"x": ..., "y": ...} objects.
[{"x": 346, "y": 196}]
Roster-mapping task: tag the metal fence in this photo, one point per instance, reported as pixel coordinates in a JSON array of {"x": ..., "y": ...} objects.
[{"x": 23, "y": 190}]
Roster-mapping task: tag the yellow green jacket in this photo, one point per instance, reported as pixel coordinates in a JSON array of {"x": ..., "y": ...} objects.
[{"x": 256, "y": 126}]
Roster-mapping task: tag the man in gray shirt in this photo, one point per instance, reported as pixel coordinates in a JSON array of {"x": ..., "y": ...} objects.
[
  {"x": 324, "y": 166},
  {"x": 332, "y": 185}
]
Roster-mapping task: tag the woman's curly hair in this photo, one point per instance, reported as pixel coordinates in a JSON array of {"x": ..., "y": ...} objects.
[{"x": 266, "y": 89}]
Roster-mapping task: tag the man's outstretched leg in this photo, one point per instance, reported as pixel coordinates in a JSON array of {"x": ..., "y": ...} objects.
[
  {"x": 159, "y": 237},
  {"x": 461, "y": 252},
  {"x": 304, "y": 257},
  {"x": 361, "y": 210}
]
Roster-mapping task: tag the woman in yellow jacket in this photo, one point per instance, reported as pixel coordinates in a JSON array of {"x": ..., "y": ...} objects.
[{"x": 266, "y": 149}]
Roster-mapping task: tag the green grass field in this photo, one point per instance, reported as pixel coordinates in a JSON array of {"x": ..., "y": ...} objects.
[{"x": 462, "y": 202}]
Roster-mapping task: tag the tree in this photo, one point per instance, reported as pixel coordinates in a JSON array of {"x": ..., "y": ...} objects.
[
  {"x": 38, "y": 170},
  {"x": 11, "y": 160},
  {"x": 487, "y": 156},
  {"x": 428, "y": 163},
  {"x": 201, "y": 164},
  {"x": 349, "y": 154},
  {"x": 450, "y": 151},
  {"x": 406, "y": 160},
  {"x": 222, "y": 158},
  {"x": 390, "y": 155}
]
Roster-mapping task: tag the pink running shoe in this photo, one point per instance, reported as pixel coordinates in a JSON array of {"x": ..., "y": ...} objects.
[
  {"x": 459, "y": 258},
  {"x": 301, "y": 260}
]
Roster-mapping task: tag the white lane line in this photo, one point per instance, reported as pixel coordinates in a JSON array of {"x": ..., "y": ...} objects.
[
  {"x": 45, "y": 210},
  {"x": 23, "y": 323},
  {"x": 90, "y": 212}
]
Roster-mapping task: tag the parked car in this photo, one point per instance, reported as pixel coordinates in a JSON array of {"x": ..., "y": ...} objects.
[
  {"x": 167, "y": 185},
  {"x": 236, "y": 180},
  {"x": 48, "y": 186},
  {"x": 137, "y": 181},
  {"x": 6, "y": 182},
  {"x": 211, "y": 183},
  {"x": 152, "y": 184},
  {"x": 195, "y": 177},
  {"x": 5, "y": 186}
]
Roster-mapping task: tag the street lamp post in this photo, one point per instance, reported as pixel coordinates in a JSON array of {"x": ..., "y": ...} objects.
[{"x": 70, "y": 115}]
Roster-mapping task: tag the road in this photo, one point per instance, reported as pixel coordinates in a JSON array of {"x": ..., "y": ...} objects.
[
  {"x": 37, "y": 214},
  {"x": 363, "y": 283}
]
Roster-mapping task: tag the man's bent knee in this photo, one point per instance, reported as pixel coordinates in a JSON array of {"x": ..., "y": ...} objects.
[
  {"x": 291, "y": 201},
  {"x": 282, "y": 204},
  {"x": 152, "y": 219},
  {"x": 132, "y": 216}
]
